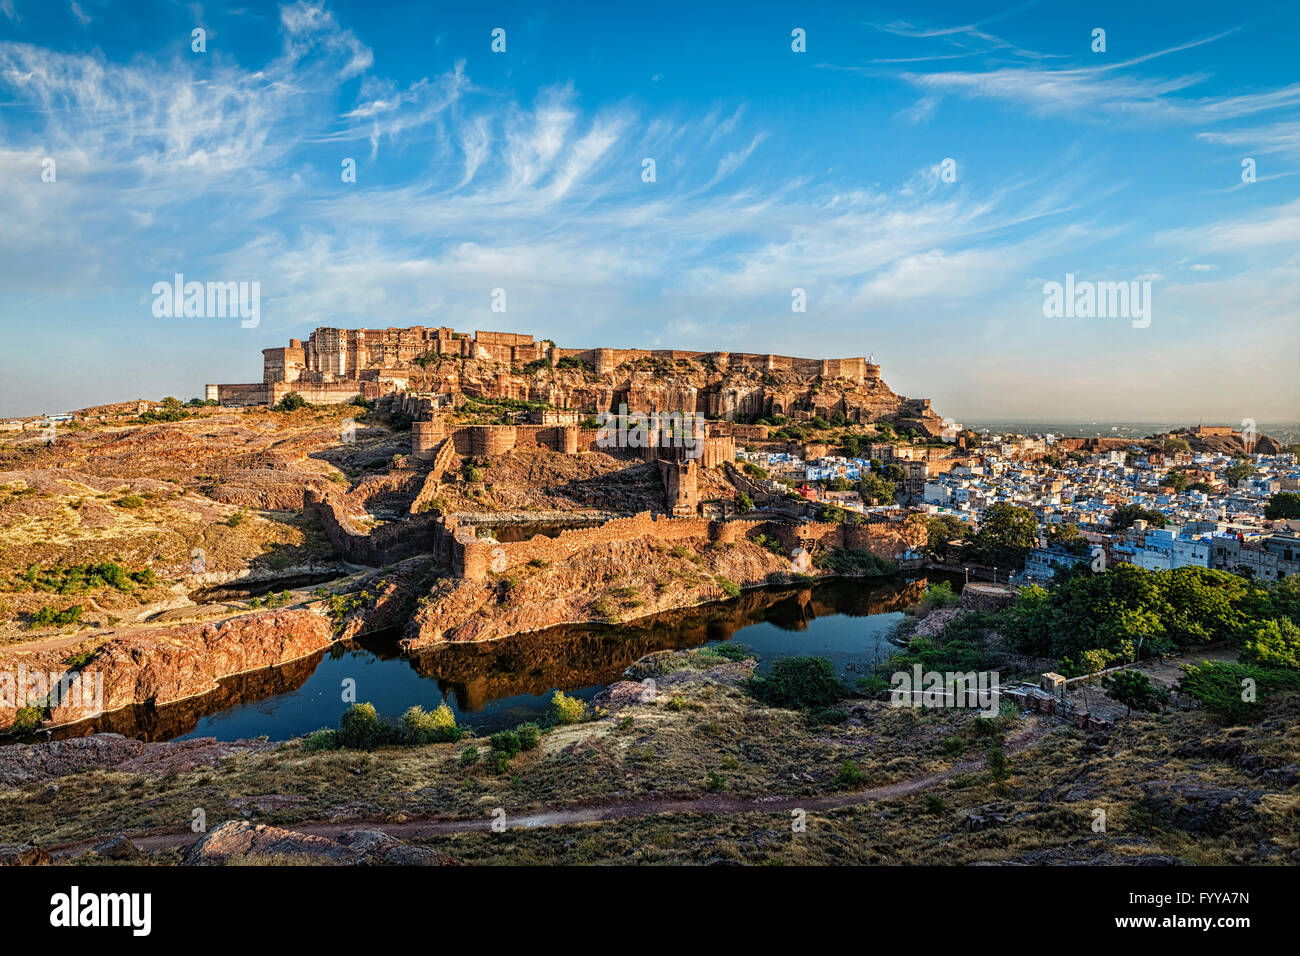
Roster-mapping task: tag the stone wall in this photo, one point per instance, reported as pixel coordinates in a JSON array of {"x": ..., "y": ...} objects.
[
  {"x": 387, "y": 544},
  {"x": 475, "y": 558}
]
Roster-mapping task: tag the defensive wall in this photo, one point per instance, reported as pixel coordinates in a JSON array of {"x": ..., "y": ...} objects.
[{"x": 475, "y": 558}]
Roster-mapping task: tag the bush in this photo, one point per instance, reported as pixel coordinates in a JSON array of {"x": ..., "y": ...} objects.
[
  {"x": 1220, "y": 687},
  {"x": 798, "y": 683},
  {"x": 566, "y": 709},
  {"x": 79, "y": 660},
  {"x": 732, "y": 651},
  {"x": 469, "y": 756},
  {"x": 130, "y": 501},
  {"x": 318, "y": 740},
  {"x": 506, "y": 742},
  {"x": 291, "y": 403},
  {"x": 360, "y": 728},
  {"x": 26, "y": 719},
  {"x": 530, "y": 736},
  {"x": 744, "y": 503},
  {"x": 48, "y": 617},
  {"x": 729, "y": 587},
  {"x": 420, "y": 727},
  {"x": 850, "y": 774}
]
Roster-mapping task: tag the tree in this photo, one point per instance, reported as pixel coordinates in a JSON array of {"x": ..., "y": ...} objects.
[
  {"x": 1006, "y": 534},
  {"x": 1273, "y": 644},
  {"x": 1068, "y": 537},
  {"x": 1285, "y": 504},
  {"x": 1125, "y": 515},
  {"x": 1132, "y": 689},
  {"x": 291, "y": 402},
  {"x": 1239, "y": 470},
  {"x": 1176, "y": 480},
  {"x": 874, "y": 488},
  {"x": 942, "y": 529},
  {"x": 744, "y": 503}
]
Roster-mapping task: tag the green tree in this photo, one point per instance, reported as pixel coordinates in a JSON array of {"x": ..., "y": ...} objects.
[
  {"x": 1239, "y": 470},
  {"x": 1069, "y": 537},
  {"x": 943, "y": 529},
  {"x": 1176, "y": 480},
  {"x": 1273, "y": 644},
  {"x": 874, "y": 488},
  {"x": 1132, "y": 689},
  {"x": 1124, "y": 516},
  {"x": 1285, "y": 504},
  {"x": 1006, "y": 534}
]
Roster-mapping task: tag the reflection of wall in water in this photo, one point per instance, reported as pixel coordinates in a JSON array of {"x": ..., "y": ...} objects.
[
  {"x": 147, "y": 722},
  {"x": 573, "y": 656}
]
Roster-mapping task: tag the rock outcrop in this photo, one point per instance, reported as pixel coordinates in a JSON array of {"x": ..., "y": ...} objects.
[{"x": 239, "y": 841}]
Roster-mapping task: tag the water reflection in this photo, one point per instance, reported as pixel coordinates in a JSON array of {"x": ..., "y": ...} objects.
[{"x": 499, "y": 683}]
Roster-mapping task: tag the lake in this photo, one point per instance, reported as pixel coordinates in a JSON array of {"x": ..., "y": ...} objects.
[{"x": 498, "y": 684}]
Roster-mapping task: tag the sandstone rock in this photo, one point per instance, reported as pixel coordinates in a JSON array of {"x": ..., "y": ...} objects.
[
  {"x": 241, "y": 840},
  {"x": 118, "y": 848}
]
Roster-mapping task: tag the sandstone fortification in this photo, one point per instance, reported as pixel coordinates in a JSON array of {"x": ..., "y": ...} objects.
[{"x": 336, "y": 365}]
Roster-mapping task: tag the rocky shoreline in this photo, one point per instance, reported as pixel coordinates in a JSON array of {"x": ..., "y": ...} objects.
[{"x": 620, "y": 582}]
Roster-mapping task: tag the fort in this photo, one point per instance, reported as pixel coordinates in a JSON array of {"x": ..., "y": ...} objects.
[
  {"x": 474, "y": 399},
  {"x": 338, "y": 365}
]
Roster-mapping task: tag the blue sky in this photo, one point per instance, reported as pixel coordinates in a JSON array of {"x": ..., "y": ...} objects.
[{"x": 775, "y": 170}]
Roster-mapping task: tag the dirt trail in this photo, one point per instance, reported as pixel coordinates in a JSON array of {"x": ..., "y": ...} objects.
[{"x": 714, "y": 804}]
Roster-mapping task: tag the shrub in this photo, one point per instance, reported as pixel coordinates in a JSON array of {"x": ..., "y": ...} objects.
[
  {"x": 130, "y": 501},
  {"x": 1132, "y": 689},
  {"x": 79, "y": 660},
  {"x": 48, "y": 617},
  {"x": 997, "y": 763},
  {"x": 420, "y": 727},
  {"x": 506, "y": 742},
  {"x": 236, "y": 519},
  {"x": 828, "y": 715},
  {"x": 729, "y": 587},
  {"x": 744, "y": 503},
  {"x": 799, "y": 683},
  {"x": 291, "y": 403},
  {"x": 732, "y": 651},
  {"x": 850, "y": 774},
  {"x": 566, "y": 709},
  {"x": 530, "y": 736},
  {"x": 26, "y": 719},
  {"x": 1220, "y": 686},
  {"x": 318, "y": 740},
  {"x": 469, "y": 756},
  {"x": 359, "y": 727}
]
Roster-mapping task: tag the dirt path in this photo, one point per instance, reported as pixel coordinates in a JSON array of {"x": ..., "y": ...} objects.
[{"x": 713, "y": 804}]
